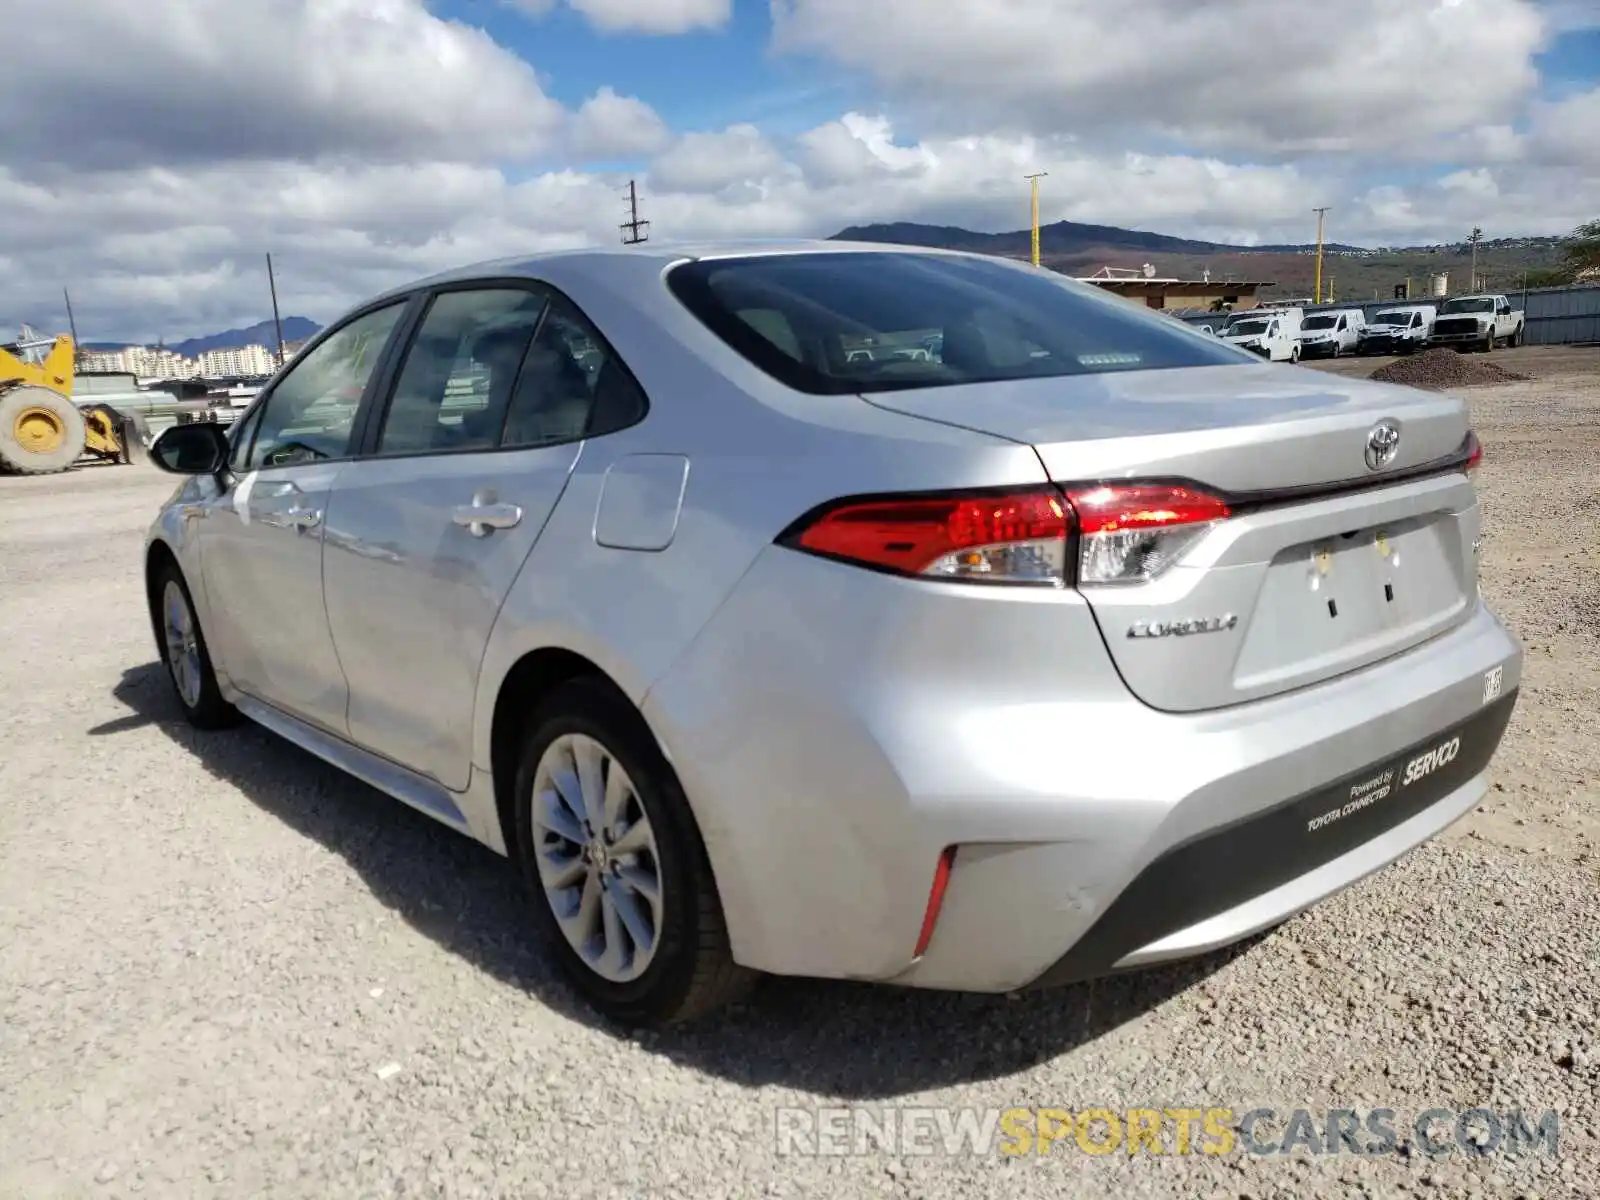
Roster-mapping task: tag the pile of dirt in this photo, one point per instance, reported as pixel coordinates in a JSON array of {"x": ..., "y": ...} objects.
[{"x": 1441, "y": 368}]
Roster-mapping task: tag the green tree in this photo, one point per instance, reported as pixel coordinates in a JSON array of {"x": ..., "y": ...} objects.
[{"x": 1583, "y": 248}]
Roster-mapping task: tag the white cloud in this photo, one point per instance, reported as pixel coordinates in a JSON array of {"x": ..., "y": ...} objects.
[
  {"x": 661, "y": 17},
  {"x": 1567, "y": 132},
  {"x": 1359, "y": 76},
  {"x": 613, "y": 126},
  {"x": 107, "y": 82},
  {"x": 366, "y": 142},
  {"x": 705, "y": 163}
]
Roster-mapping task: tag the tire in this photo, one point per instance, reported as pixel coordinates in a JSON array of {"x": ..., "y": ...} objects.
[
  {"x": 1294, "y": 353},
  {"x": 689, "y": 969},
  {"x": 1515, "y": 339},
  {"x": 1488, "y": 342},
  {"x": 198, "y": 695},
  {"x": 41, "y": 431}
]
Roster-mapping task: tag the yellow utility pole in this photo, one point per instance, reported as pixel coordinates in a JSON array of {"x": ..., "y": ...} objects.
[
  {"x": 1034, "y": 180},
  {"x": 1318, "y": 289}
]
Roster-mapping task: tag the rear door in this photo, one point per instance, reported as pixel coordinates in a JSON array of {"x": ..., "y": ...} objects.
[{"x": 461, "y": 469}]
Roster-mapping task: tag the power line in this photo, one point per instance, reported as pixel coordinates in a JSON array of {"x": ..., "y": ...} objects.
[{"x": 633, "y": 228}]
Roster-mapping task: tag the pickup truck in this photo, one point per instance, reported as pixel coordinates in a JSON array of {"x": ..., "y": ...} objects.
[{"x": 1477, "y": 323}]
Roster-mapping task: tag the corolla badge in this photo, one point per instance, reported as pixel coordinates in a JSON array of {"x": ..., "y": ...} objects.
[{"x": 1383, "y": 443}]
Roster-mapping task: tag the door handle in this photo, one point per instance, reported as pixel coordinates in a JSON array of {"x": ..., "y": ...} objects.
[
  {"x": 483, "y": 516},
  {"x": 298, "y": 519}
]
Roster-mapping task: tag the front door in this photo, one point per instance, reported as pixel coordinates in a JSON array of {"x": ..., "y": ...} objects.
[
  {"x": 427, "y": 531},
  {"x": 261, "y": 542}
]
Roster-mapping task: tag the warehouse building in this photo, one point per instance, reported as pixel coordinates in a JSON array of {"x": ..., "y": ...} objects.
[{"x": 1143, "y": 286}]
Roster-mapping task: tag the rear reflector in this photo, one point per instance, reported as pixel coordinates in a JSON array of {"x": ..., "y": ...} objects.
[
  {"x": 1474, "y": 453},
  {"x": 1010, "y": 537},
  {"x": 941, "y": 880},
  {"x": 1133, "y": 532}
]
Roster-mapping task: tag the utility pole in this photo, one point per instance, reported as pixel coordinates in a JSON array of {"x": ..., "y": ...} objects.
[
  {"x": 277, "y": 321},
  {"x": 633, "y": 228},
  {"x": 72, "y": 324},
  {"x": 1473, "y": 240},
  {"x": 1033, "y": 181},
  {"x": 1321, "y": 212}
]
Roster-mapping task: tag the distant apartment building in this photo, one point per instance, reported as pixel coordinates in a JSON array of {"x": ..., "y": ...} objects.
[
  {"x": 148, "y": 362},
  {"x": 237, "y": 360},
  {"x": 157, "y": 362}
]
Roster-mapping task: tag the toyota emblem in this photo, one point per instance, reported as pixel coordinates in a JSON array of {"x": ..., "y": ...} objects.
[{"x": 1383, "y": 443}]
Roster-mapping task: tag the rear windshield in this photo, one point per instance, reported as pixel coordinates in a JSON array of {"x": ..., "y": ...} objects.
[{"x": 832, "y": 323}]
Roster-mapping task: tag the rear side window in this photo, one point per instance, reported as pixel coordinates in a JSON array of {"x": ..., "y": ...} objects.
[{"x": 867, "y": 322}]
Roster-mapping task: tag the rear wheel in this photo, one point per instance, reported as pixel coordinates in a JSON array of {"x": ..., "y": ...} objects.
[
  {"x": 1294, "y": 353},
  {"x": 621, "y": 883},
  {"x": 41, "y": 431},
  {"x": 1515, "y": 339},
  {"x": 183, "y": 650}
]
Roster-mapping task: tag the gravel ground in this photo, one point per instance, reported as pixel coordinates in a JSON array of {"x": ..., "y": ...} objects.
[{"x": 226, "y": 970}]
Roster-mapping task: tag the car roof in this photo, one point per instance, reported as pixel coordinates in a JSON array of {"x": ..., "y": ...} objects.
[{"x": 601, "y": 262}]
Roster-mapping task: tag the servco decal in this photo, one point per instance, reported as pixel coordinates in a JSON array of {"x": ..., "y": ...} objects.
[
  {"x": 1182, "y": 628},
  {"x": 1426, "y": 764}
]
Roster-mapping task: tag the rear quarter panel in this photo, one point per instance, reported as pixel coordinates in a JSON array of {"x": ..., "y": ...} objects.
[{"x": 760, "y": 455}]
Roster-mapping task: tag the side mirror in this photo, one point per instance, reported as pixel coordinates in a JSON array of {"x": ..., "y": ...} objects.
[{"x": 197, "y": 449}]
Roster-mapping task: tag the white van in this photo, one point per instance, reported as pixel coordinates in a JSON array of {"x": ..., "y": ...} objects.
[
  {"x": 1398, "y": 330},
  {"x": 1332, "y": 332},
  {"x": 1273, "y": 333}
]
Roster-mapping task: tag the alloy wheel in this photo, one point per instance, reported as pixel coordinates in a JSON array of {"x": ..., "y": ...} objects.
[
  {"x": 183, "y": 645},
  {"x": 596, "y": 855}
]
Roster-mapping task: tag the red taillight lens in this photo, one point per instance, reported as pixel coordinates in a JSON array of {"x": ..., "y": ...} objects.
[
  {"x": 1474, "y": 453},
  {"x": 1134, "y": 532},
  {"x": 1014, "y": 537},
  {"x": 930, "y": 915}
]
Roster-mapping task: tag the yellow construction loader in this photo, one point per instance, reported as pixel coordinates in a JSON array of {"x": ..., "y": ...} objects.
[{"x": 41, "y": 429}]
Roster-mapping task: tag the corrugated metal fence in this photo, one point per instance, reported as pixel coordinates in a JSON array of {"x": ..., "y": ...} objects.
[{"x": 1560, "y": 316}]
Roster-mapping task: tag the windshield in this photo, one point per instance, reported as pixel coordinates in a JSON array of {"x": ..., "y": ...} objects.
[
  {"x": 1246, "y": 328},
  {"x": 1468, "y": 304},
  {"x": 1320, "y": 323},
  {"x": 1392, "y": 318},
  {"x": 806, "y": 319}
]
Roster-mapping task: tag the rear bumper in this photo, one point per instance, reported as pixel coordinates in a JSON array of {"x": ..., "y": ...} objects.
[
  {"x": 835, "y": 730},
  {"x": 1231, "y": 882}
]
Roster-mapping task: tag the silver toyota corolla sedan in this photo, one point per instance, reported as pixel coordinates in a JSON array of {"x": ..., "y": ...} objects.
[{"x": 846, "y": 611}]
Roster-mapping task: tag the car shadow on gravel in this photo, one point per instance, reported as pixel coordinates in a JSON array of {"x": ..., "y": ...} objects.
[{"x": 843, "y": 1040}]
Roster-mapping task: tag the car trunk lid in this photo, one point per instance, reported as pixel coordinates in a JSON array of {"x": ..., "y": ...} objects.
[{"x": 1325, "y": 564}]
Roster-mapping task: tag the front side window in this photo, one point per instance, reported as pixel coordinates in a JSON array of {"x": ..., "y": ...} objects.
[
  {"x": 310, "y": 414},
  {"x": 831, "y": 323},
  {"x": 571, "y": 386},
  {"x": 460, "y": 372}
]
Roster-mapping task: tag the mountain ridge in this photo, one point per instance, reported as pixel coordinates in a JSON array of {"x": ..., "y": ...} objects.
[
  {"x": 1061, "y": 237},
  {"x": 262, "y": 333}
]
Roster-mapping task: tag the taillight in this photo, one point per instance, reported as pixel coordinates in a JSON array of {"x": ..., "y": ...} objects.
[
  {"x": 1474, "y": 454},
  {"x": 1130, "y": 533},
  {"x": 1012, "y": 537}
]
